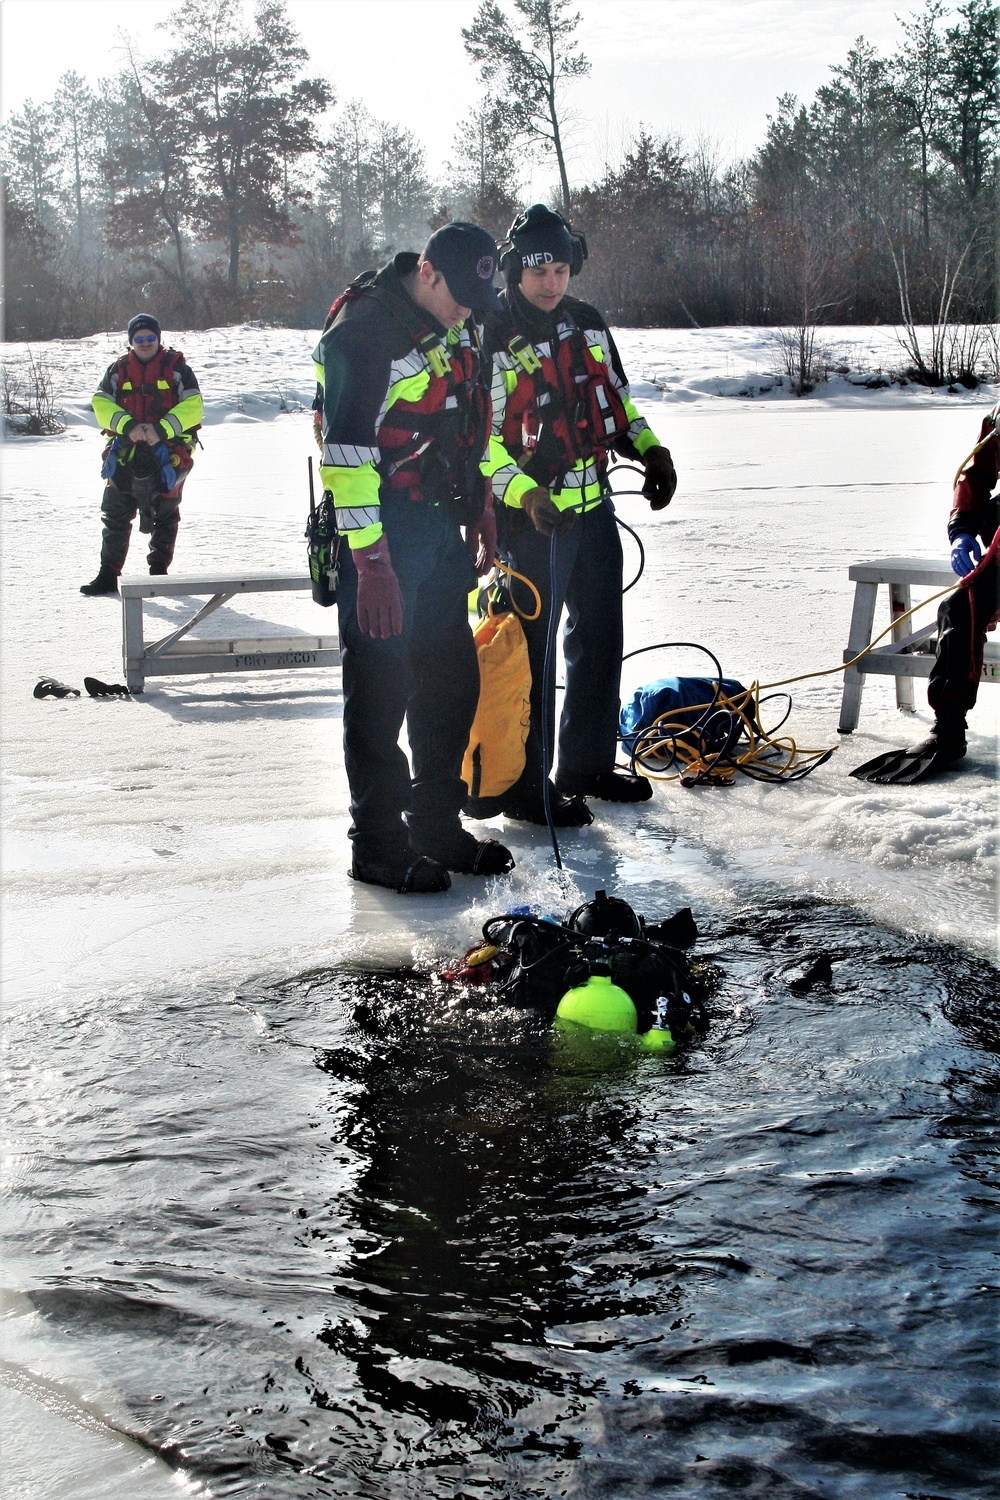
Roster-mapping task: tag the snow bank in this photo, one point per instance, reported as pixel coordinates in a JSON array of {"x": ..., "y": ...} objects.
[{"x": 252, "y": 374}]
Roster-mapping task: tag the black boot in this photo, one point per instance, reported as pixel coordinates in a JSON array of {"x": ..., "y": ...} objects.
[
  {"x": 457, "y": 849},
  {"x": 529, "y": 807},
  {"x": 946, "y": 742},
  {"x": 403, "y": 871},
  {"x": 106, "y": 582},
  {"x": 616, "y": 785}
]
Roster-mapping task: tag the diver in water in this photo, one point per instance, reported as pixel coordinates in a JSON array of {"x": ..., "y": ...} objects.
[{"x": 963, "y": 619}]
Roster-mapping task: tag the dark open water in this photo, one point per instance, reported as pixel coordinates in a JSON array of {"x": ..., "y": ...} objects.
[{"x": 347, "y": 1237}]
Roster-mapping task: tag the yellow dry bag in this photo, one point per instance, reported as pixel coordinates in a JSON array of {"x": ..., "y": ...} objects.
[{"x": 495, "y": 757}]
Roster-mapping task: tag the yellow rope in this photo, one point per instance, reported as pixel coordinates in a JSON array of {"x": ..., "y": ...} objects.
[
  {"x": 760, "y": 758},
  {"x": 510, "y": 573},
  {"x": 829, "y": 671},
  {"x": 989, "y": 438}
]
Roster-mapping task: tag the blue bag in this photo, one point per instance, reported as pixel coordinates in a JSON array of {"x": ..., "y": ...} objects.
[{"x": 667, "y": 695}]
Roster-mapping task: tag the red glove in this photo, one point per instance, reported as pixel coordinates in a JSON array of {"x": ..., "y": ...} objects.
[
  {"x": 481, "y": 541},
  {"x": 380, "y": 603}
]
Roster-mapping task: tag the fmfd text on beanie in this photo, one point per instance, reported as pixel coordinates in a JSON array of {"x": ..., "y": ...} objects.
[{"x": 541, "y": 238}]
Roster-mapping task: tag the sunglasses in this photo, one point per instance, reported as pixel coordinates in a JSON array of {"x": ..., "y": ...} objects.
[{"x": 145, "y": 338}]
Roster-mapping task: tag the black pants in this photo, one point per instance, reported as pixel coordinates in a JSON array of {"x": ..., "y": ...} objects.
[
  {"x": 958, "y": 662},
  {"x": 129, "y": 494},
  {"x": 428, "y": 675},
  {"x": 588, "y": 583}
]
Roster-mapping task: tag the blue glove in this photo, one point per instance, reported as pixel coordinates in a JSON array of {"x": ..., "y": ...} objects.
[
  {"x": 111, "y": 462},
  {"x": 965, "y": 554},
  {"x": 168, "y": 473}
]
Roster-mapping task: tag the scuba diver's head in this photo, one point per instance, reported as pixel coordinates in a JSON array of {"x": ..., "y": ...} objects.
[{"x": 606, "y": 916}]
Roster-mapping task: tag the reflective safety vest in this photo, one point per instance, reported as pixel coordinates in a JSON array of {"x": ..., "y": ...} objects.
[
  {"x": 431, "y": 442},
  {"x": 566, "y": 409}
]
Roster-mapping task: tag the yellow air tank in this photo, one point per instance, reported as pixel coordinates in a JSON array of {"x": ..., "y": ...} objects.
[{"x": 597, "y": 1005}]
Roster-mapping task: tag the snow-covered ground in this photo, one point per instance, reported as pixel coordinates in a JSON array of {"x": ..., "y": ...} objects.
[{"x": 201, "y": 828}]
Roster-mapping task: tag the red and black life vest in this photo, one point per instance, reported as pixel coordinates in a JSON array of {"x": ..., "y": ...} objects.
[
  {"x": 147, "y": 391},
  {"x": 431, "y": 448},
  {"x": 568, "y": 408}
]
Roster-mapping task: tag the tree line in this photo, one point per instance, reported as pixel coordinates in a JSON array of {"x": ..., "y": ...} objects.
[{"x": 221, "y": 181}]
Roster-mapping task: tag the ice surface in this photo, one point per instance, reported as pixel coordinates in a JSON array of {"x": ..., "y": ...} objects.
[{"x": 201, "y": 829}]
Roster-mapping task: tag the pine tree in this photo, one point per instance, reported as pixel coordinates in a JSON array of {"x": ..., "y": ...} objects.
[{"x": 531, "y": 60}]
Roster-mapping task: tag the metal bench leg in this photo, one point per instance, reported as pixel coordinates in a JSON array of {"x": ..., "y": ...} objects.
[
  {"x": 899, "y": 603},
  {"x": 133, "y": 647},
  {"x": 862, "y": 620}
]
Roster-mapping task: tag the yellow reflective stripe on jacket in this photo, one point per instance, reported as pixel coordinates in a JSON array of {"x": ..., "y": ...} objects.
[
  {"x": 355, "y": 494},
  {"x": 410, "y": 388},
  {"x": 110, "y": 416},
  {"x": 185, "y": 415}
]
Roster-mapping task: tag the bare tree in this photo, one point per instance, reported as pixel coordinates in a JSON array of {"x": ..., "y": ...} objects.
[
  {"x": 530, "y": 59},
  {"x": 935, "y": 365}
]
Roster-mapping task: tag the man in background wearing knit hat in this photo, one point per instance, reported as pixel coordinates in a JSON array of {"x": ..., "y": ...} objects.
[
  {"x": 150, "y": 408},
  {"x": 560, "y": 405}
]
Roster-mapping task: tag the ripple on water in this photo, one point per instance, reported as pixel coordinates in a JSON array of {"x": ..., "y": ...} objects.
[{"x": 341, "y": 1237}]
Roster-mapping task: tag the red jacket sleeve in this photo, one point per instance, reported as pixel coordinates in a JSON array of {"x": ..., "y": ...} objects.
[{"x": 971, "y": 512}]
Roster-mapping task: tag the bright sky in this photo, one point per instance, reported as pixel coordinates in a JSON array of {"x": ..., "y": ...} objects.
[{"x": 714, "y": 67}]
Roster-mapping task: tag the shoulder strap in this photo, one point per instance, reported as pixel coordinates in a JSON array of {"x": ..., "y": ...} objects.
[
  {"x": 357, "y": 288},
  {"x": 425, "y": 339}
]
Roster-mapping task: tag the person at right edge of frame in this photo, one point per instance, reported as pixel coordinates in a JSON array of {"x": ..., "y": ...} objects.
[
  {"x": 560, "y": 403},
  {"x": 405, "y": 431},
  {"x": 963, "y": 619}
]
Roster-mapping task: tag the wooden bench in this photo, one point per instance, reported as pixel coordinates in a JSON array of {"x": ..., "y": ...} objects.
[
  {"x": 911, "y": 651},
  {"x": 173, "y": 655}
]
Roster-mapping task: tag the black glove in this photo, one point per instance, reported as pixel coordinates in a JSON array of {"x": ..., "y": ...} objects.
[{"x": 661, "y": 478}]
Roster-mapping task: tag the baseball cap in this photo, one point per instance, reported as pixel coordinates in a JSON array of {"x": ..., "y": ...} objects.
[{"x": 466, "y": 256}]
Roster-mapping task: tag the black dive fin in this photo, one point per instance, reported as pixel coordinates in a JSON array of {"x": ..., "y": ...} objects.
[
  {"x": 50, "y": 687},
  {"x": 921, "y": 765},
  {"x": 881, "y": 768},
  {"x": 98, "y": 689},
  {"x": 907, "y": 767}
]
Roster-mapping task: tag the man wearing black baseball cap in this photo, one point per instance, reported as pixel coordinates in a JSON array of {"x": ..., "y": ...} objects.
[{"x": 405, "y": 426}]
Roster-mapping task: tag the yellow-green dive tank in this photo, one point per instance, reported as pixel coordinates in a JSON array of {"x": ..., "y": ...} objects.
[
  {"x": 597, "y": 1005},
  {"x": 659, "y": 1037}
]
